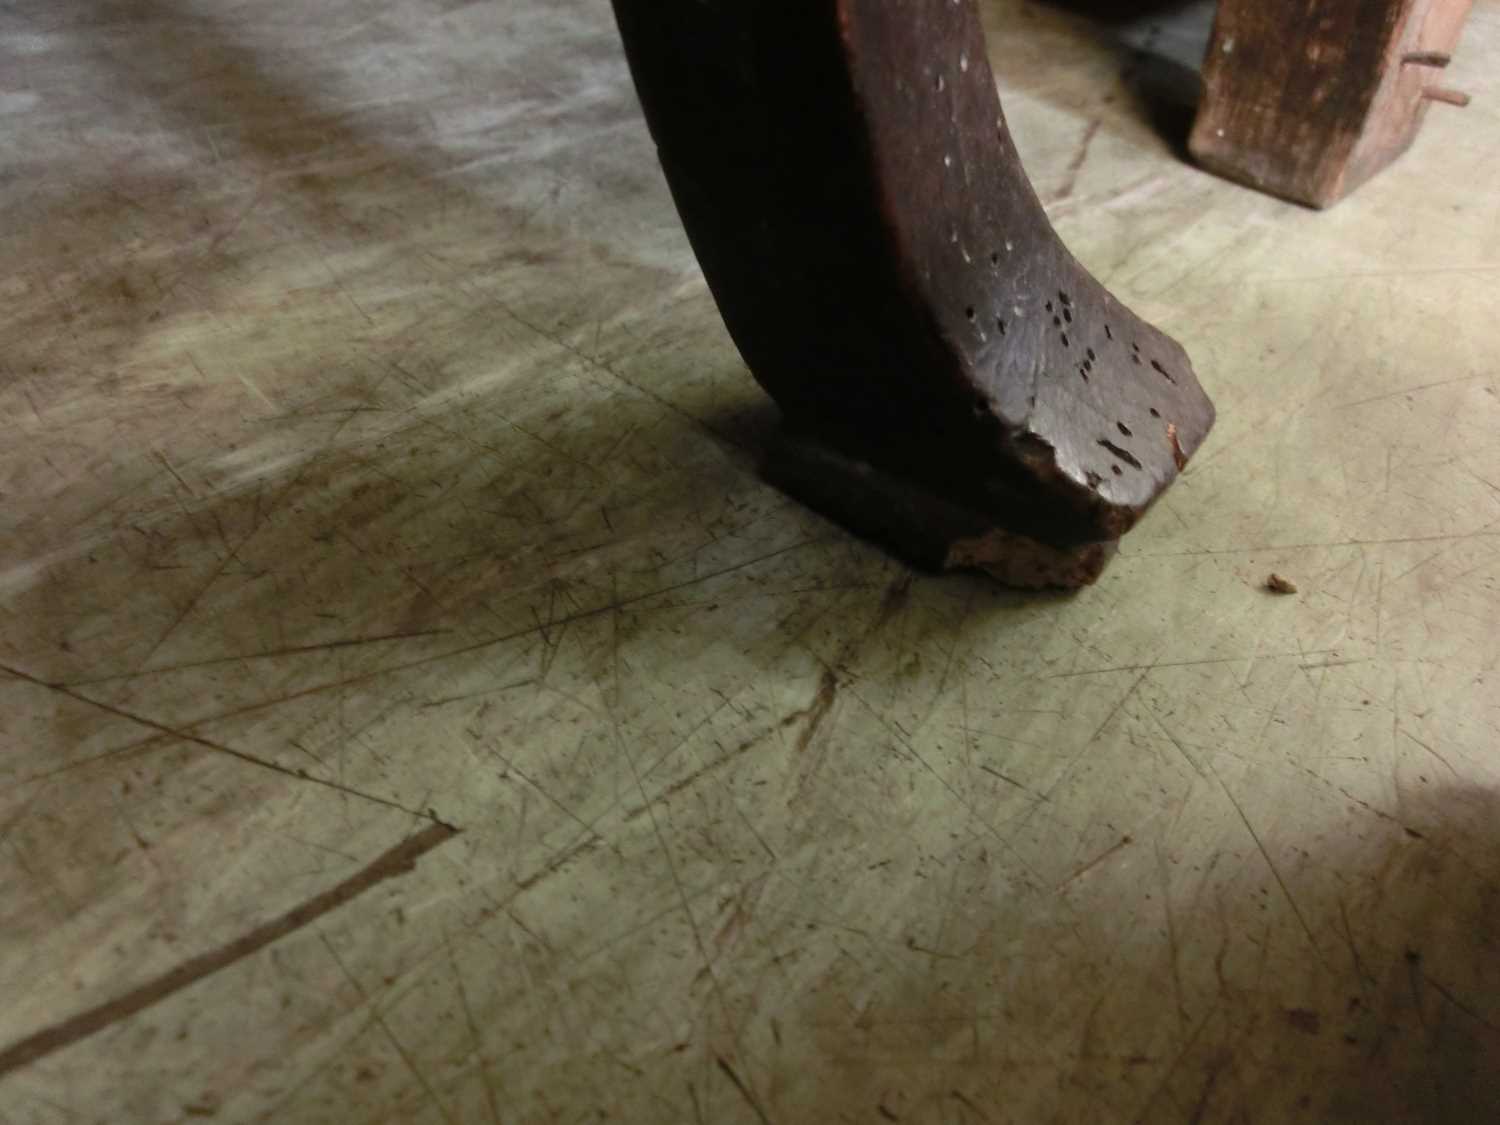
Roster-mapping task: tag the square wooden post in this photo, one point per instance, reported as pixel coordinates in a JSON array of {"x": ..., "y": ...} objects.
[{"x": 1307, "y": 99}]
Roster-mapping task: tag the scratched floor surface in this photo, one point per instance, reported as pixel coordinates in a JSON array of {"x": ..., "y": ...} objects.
[{"x": 414, "y": 707}]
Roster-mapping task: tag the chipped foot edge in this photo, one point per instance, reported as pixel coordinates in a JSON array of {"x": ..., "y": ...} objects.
[{"x": 930, "y": 532}]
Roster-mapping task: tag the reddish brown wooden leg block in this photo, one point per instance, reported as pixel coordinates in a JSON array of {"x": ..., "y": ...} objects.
[
  {"x": 1309, "y": 100},
  {"x": 958, "y": 385}
]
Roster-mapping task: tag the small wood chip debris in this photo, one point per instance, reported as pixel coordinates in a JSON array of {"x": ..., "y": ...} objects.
[{"x": 1279, "y": 585}]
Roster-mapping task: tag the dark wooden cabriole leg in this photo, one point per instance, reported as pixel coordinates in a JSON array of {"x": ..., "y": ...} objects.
[
  {"x": 953, "y": 381},
  {"x": 1308, "y": 101}
]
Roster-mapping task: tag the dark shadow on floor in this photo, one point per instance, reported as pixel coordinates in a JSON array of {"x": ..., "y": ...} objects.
[{"x": 1161, "y": 44}]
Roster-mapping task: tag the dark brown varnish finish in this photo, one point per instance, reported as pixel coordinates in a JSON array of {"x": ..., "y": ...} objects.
[
  {"x": 1309, "y": 100},
  {"x": 848, "y": 182}
]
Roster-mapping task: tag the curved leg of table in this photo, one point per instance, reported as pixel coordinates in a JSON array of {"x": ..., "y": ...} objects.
[{"x": 953, "y": 380}]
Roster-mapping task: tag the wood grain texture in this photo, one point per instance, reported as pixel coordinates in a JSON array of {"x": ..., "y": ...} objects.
[
  {"x": 374, "y": 451},
  {"x": 848, "y": 181},
  {"x": 1309, "y": 100}
]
